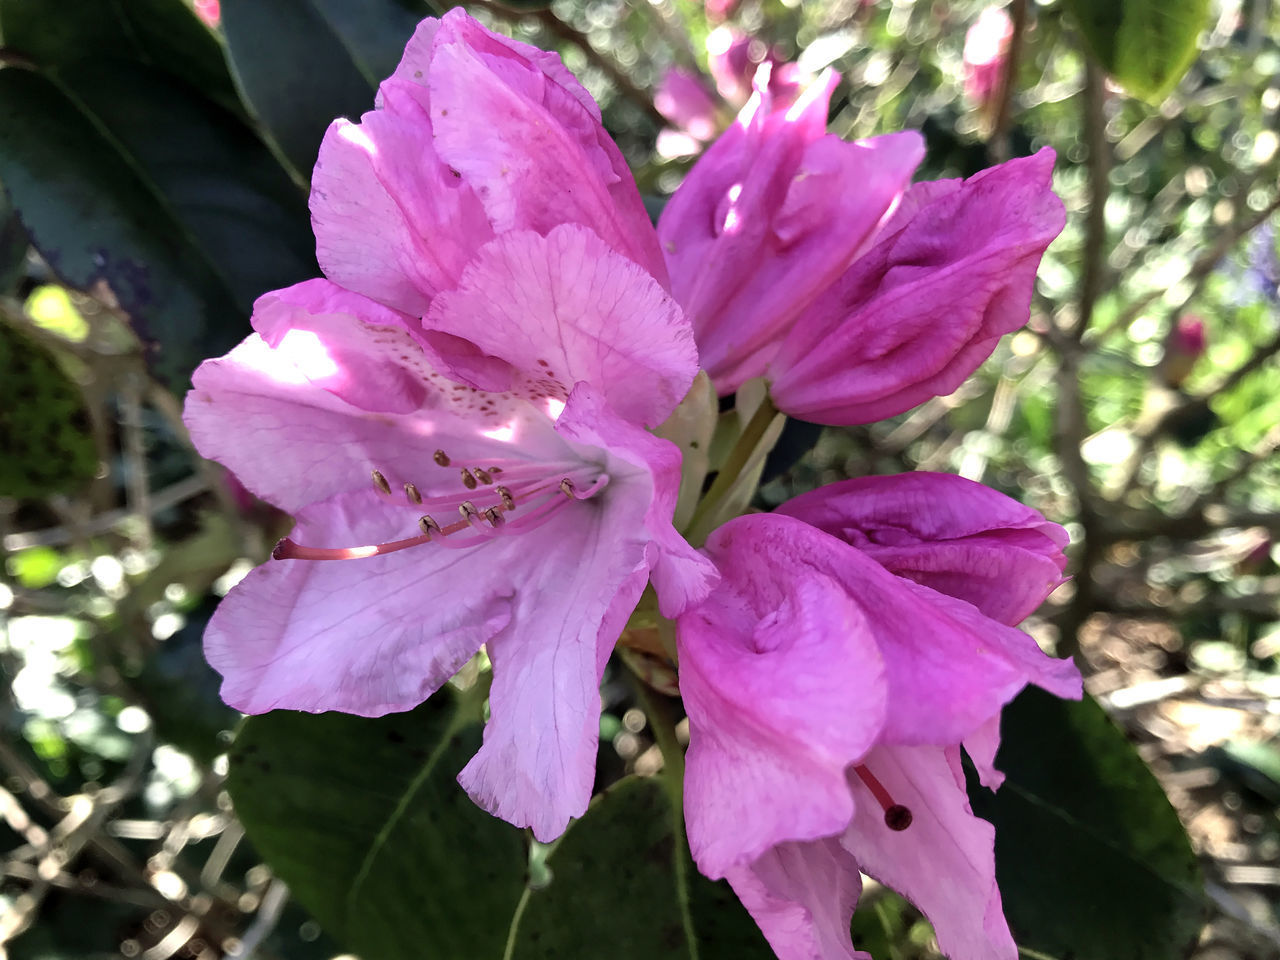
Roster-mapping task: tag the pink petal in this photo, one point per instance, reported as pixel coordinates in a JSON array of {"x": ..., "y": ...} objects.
[
  {"x": 784, "y": 688},
  {"x": 683, "y": 100},
  {"x": 944, "y": 862},
  {"x": 573, "y": 310},
  {"x": 956, "y": 536},
  {"x": 392, "y": 221},
  {"x": 770, "y": 216},
  {"x": 681, "y": 575},
  {"x": 579, "y": 580},
  {"x": 949, "y": 669},
  {"x": 947, "y": 276},
  {"x": 266, "y": 415},
  {"x": 803, "y": 895},
  {"x": 355, "y": 360},
  {"x": 367, "y": 637},
  {"x": 527, "y": 137}
]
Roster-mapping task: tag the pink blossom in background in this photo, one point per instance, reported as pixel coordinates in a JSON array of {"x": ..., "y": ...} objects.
[
  {"x": 1184, "y": 346},
  {"x": 986, "y": 48},
  {"x": 733, "y": 59},
  {"x": 719, "y": 9},
  {"x": 810, "y": 261},
  {"x": 829, "y": 699},
  {"x": 691, "y": 110},
  {"x": 210, "y": 11},
  {"x": 516, "y": 498}
]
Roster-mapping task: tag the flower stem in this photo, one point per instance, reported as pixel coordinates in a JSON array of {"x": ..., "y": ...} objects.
[
  {"x": 661, "y": 723},
  {"x": 738, "y": 458}
]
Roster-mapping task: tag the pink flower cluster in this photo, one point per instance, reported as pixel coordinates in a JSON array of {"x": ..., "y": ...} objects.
[{"x": 458, "y": 415}]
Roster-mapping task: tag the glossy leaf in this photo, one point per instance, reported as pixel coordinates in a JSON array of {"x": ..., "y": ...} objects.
[
  {"x": 301, "y": 63},
  {"x": 1146, "y": 45},
  {"x": 365, "y": 822},
  {"x": 163, "y": 33},
  {"x": 1091, "y": 858},
  {"x": 144, "y": 187},
  {"x": 622, "y": 885}
]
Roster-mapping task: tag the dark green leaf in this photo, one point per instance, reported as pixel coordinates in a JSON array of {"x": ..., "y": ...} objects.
[
  {"x": 301, "y": 63},
  {"x": 242, "y": 212},
  {"x": 165, "y": 198},
  {"x": 13, "y": 247},
  {"x": 622, "y": 885},
  {"x": 163, "y": 33},
  {"x": 365, "y": 822},
  {"x": 1146, "y": 45},
  {"x": 44, "y": 426},
  {"x": 1092, "y": 861}
]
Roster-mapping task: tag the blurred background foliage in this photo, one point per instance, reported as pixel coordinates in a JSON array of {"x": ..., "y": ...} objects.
[{"x": 154, "y": 157}]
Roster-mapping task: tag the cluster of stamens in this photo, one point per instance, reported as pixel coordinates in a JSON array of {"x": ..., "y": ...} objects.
[{"x": 522, "y": 481}]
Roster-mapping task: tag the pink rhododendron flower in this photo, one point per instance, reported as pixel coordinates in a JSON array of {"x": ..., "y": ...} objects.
[
  {"x": 1185, "y": 344},
  {"x": 829, "y": 698},
  {"x": 986, "y": 48},
  {"x": 734, "y": 57},
  {"x": 491, "y": 340},
  {"x": 685, "y": 102},
  {"x": 808, "y": 260},
  {"x": 209, "y": 11}
]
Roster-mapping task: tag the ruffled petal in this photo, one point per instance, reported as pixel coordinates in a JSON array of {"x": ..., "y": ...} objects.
[
  {"x": 771, "y": 215},
  {"x": 526, "y": 136},
  {"x": 956, "y": 536},
  {"x": 681, "y": 575},
  {"x": 367, "y": 637},
  {"x": 950, "y": 273},
  {"x": 392, "y": 221},
  {"x": 948, "y": 668},
  {"x": 784, "y": 687},
  {"x": 944, "y": 862},
  {"x": 268, "y": 414},
  {"x": 537, "y": 764},
  {"x": 802, "y": 896},
  {"x": 573, "y": 310}
]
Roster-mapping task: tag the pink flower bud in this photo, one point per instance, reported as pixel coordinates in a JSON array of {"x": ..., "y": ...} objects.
[
  {"x": 1183, "y": 347},
  {"x": 986, "y": 47}
]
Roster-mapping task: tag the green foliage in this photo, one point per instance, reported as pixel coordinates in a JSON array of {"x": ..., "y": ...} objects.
[
  {"x": 1091, "y": 859},
  {"x": 301, "y": 63},
  {"x": 354, "y": 813},
  {"x": 364, "y": 821},
  {"x": 44, "y": 426},
  {"x": 1146, "y": 45},
  {"x": 621, "y": 883},
  {"x": 162, "y": 33}
]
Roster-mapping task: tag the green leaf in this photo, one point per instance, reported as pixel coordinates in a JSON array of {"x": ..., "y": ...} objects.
[
  {"x": 44, "y": 425},
  {"x": 1092, "y": 861},
  {"x": 165, "y": 198},
  {"x": 13, "y": 248},
  {"x": 163, "y": 33},
  {"x": 365, "y": 822},
  {"x": 238, "y": 207},
  {"x": 622, "y": 885},
  {"x": 301, "y": 63},
  {"x": 1146, "y": 45}
]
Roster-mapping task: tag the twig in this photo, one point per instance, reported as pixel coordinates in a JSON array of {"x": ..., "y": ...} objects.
[
  {"x": 998, "y": 142},
  {"x": 1099, "y": 164},
  {"x": 61, "y": 535}
]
